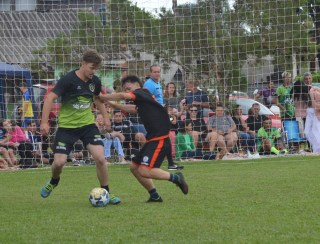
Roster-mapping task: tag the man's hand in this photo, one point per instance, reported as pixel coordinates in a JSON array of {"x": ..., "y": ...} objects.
[{"x": 44, "y": 128}]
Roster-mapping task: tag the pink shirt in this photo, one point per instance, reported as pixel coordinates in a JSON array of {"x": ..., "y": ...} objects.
[{"x": 17, "y": 135}]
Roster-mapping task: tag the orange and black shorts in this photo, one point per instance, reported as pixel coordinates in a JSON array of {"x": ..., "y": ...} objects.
[{"x": 153, "y": 152}]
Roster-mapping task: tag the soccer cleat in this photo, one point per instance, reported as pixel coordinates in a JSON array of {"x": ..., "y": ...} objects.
[
  {"x": 150, "y": 200},
  {"x": 182, "y": 183},
  {"x": 114, "y": 200},
  {"x": 47, "y": 189},
  {"x": 175, "y": 167}
]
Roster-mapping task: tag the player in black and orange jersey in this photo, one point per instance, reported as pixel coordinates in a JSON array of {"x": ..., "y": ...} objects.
[{"x": 146, "y": 165}]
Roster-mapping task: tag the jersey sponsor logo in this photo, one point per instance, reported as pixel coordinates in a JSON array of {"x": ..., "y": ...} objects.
[
  {"x": 91, "y": 87},
  {"x": 83, "y": 103},
  {"x": 79, "y": 87}
]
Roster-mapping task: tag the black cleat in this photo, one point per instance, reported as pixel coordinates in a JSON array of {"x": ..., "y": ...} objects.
[
  {"x": 175, "y": 167},
  {"x": 159, "y": 199},
  {"x": 182, "y": 183}
]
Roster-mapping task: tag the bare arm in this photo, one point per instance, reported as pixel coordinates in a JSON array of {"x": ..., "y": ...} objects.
[
  {"x": 129, "y": 108},
  {"x": 116, "y": 96},
  {"x": 103, "y": 111}
]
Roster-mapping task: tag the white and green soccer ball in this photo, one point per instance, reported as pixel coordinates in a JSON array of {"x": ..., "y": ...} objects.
[{"x": 99, "y": 197}]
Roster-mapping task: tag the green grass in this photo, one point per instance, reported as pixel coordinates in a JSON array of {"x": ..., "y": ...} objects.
[{"x": 259, "y": 201}]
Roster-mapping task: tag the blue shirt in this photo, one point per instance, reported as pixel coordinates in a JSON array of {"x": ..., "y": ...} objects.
[
  {"x": 2, "y": 133},
  {"x": 198, "y": 96},
  {"x": 155, "y": 89}
]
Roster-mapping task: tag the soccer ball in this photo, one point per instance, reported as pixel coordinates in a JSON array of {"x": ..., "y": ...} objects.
[{"x": 99, "y": 197}]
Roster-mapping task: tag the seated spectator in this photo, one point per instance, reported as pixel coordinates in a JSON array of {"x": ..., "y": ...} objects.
[
  {"x": 111, "y": 138},
  {"x": 268, "y": 94},
  {"x": 123, "y": 126},
  {"x": 269, "y": 139},
  {"x": 255, "y": 120},
  {"x": 36, "y": 140},
  {"x": 173, "y": 118},
  {"x": 6, "y": 152},
  {"x": 199, "y": 128},
  {"x": 185, "y": 148},
  {"x": 17, "y": 139},
  {"x": 223, "y": 130},
  {"x": 247, "y": 137}
]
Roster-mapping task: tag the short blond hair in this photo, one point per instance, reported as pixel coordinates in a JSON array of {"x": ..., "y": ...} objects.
[{"x": 286, "y": 74}]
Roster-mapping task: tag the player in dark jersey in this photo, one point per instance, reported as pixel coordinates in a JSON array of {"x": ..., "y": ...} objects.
[
  {"x": 146, "y": 165},
  {"x": 78, "y": 90}
]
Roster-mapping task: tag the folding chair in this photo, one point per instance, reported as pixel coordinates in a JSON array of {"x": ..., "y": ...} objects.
[{"x": 292, "y": 133}]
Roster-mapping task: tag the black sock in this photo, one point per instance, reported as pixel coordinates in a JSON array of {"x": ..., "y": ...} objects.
[
  {"x": 174, "y": 178},
  {"x": 154, "y": 194},
  {"x": 106, "y": 187},
  {"x": 54, "y": 181}
]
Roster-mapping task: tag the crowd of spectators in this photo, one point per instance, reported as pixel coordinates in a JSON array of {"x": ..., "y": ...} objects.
[{"x": 199, "y": 129}]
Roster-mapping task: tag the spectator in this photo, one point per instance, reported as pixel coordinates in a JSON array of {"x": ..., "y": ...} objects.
[
  {"x": 123, "y": 126},
  {"x": 247, "y": 137},
  {"x": 254, "y": 121},
  {"x": 111, "y": 138},
  {"x": 199, "y": 130},
  {"x": 301, "y": 98},
  {"x": 27, "y": 111},
  {"x": 173, "y": 118},
  {"x": 268, "y": 95},
  {"x": 196, "y": 97},
  {"x": 285, "y": 101},
  {"x": 170, "y": 96},
  {"x": 185, "y": 148},
  {"x": 312, "y": 126},
  {"x": 6, "y": 151},
  {"x": 17, "y": 139},
  {"x": 224, "y": 130},
  {"x": 36, "y": 140},
  {"x": 269, "y": 139}
]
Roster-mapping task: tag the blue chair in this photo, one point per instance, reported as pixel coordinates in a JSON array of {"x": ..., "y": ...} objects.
[{"x": 291, "y": 129}]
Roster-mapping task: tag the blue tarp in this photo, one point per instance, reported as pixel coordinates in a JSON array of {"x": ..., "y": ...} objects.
[{"x": 13, "y": 71}]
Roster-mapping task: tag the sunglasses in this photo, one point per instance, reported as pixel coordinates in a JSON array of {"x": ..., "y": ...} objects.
[{"x": 193, "y": 110}]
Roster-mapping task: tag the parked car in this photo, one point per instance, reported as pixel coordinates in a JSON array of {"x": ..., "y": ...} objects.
[{"x": 246, "y": 104}]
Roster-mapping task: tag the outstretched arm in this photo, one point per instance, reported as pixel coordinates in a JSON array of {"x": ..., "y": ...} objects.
[
  {"x": 129, "y": 108},
  {"x": 116, "y": 96}
]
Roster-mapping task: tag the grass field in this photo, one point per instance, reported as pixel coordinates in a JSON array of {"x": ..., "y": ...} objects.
[{"x": 258, "y": 201}]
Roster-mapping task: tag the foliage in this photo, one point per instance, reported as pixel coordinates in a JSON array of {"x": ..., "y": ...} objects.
[{"x": 259, "y": 201}]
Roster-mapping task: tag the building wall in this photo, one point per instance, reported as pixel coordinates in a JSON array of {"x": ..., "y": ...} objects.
[{"x": 25, "y": 5}]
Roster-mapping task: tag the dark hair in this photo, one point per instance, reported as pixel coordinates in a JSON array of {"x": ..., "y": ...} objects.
[
  {"x": 23, "y": 84},
  {"x": 117, "y": 111},
  {"x": 30, "y": 122},
  {"x": 154, "y": 65},
  {"x": 92, "y": 56},
  {"x": 183, "y": 124},
  {"x": 131, "y": 79}
]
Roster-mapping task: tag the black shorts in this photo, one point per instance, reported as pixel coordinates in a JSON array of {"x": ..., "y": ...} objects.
[
  {"x": 153, "y": 153},
  {"x": 66, "y": 137}
]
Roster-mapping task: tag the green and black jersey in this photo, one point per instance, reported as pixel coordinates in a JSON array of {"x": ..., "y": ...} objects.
[{"x": 76, "y": 100}]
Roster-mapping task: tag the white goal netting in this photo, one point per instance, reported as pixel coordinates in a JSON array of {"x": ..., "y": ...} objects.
[{"x": 229, "y": 47}]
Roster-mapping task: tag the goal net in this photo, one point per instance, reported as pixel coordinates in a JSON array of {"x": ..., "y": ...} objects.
[{"x": 231, "y": 48}]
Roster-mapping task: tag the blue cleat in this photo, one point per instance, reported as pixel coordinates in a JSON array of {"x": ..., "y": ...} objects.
[
  {"x": 47, "y": 189},
  {"x": 114, "y": 200}
]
